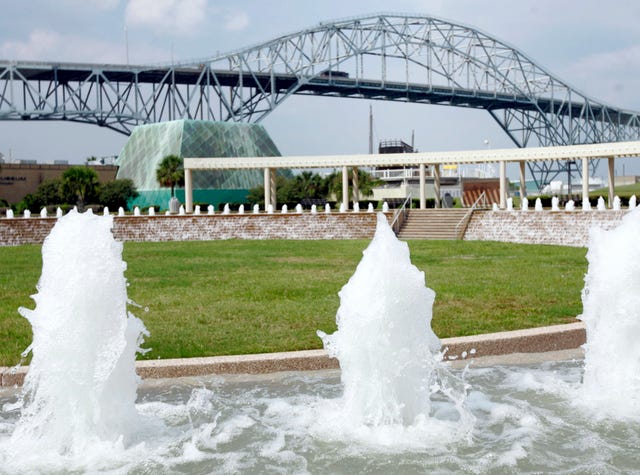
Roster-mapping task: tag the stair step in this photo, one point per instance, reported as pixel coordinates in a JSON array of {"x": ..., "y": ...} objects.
[{"x": 442, "y": 224}]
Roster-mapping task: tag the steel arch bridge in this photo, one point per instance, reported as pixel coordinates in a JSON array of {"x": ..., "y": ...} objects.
[{"x": 405, "y": 58}]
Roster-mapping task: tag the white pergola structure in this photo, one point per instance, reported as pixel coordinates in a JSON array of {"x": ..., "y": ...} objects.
[{"x": 610, "y": 151}]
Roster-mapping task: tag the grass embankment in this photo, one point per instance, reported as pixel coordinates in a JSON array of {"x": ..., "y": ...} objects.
[
  {"x": 623, "y": 191},
  {"x": 236, "y": 297}
]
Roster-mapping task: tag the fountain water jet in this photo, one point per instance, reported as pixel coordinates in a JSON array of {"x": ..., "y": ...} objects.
[
  {"x": 79, "y": 394},
  {"x": 538, "y": 205},
  {"x": 389, "y": 356},
  {"x": 611, "y": 313}
]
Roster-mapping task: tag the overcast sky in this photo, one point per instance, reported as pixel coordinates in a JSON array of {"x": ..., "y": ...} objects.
[{"x": 591, "y": 44}]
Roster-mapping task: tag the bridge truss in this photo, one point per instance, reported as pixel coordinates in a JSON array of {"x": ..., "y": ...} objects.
[{"x": 390, "y": 57}]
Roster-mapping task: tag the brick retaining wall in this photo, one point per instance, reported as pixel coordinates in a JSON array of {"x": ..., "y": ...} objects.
[
  {"x": 564, "y": 228},
  {"x": 17, "y": 231},
  {"x": 362, "y": 225}
]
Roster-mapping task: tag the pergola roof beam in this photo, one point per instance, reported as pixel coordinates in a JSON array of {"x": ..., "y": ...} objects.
[{"x": 570, "y": 152}]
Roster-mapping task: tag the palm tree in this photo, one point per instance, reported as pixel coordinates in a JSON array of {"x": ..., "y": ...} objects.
[
  {"x": 80, "y": 181},
  {"x": 366, "y": 183},
  {"x": 170, "y": 172},
  {"x": 309, "y": 185}
]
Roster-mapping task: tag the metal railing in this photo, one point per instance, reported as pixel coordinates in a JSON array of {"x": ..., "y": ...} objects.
[
  {"x": 467, "y": 215},
  {"x": 400, "y": 215},
  {"x": 393, "y": 174}
]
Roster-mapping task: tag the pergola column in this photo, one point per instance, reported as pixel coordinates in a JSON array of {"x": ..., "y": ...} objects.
[
  {"x": 272, "y": 183},
  {"x": 503, "y": 184},
  {"x": 423, "y": 198},
  {"x": 267, "y": 187},
  {"x": 436, "y": 183},
  {"x": 612, "y": 180},
  {"x": 188, "y": 190},
  {"x": 523, "y": 183},
  {"x": 345, "y": 187},
  {"x": 354, "y": 183},
  {"x": 585, "y": 180}
]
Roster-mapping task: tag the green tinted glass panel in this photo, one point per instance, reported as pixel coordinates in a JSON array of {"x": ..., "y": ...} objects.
[{"x": 149, "y": 144}]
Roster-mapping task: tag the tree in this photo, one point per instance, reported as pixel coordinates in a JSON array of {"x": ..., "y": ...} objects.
[
  {"x": 117, "y": 193},
  {"x": 82, "y": 182},
  {"x": 366, "y": 183},
  {"x": 283, "y": 192},
  {"x": 170, "y": 172},
  {"x": 310, "y": 185}
]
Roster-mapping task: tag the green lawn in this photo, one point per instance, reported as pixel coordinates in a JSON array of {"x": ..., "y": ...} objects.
[
  {"x": 237, "y": 297},
  {"x": 625, "y": 191}
]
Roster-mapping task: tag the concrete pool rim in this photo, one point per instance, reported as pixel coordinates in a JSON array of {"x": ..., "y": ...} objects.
[{"x": 556, "y": 341}]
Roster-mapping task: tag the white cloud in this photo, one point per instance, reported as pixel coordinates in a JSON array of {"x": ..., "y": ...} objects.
[
  {"x": 38, "y": 45},
  {"x": 169, "y": 16},
  {"x": 50, "y": 45},
  {"x": 236, "y": 21},
  {"x": 611, "y": 76}
]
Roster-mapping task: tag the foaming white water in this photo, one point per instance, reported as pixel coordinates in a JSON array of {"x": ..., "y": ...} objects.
[
  {"x": 611, "y": 313},
  {"x": 265, "y": 424},
  {"x": 78, "y": 400},
  {"x": 389, "y": 355},
  {"x": 286, "y": 423}
]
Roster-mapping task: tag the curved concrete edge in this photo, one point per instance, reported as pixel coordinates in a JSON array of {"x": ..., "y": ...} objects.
[
  {"x": 535, "y": 340},
  {"x": 237, "y": 364},
  {"x": 532, "y": 340}
]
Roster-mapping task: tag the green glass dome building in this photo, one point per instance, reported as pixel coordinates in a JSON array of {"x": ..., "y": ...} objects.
[{"x": 149, "y": 144}]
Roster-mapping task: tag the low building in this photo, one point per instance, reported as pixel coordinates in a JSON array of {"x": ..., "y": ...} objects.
[{"x": 19, "y": 179}]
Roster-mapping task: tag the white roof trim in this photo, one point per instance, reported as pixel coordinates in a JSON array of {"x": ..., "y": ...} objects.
[{"x": 571, "y": 152}]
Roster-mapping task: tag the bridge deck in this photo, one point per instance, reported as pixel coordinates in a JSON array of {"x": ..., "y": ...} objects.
[{"x": 199, "y": 75}]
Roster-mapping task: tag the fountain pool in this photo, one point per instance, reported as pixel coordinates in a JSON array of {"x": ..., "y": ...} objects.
[
  {"x": 527, "y": 421},
  {"x": 82, "y": 409}
]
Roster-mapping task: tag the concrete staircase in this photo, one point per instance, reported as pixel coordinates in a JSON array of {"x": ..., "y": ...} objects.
[{"x": 440, "y": 223}]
